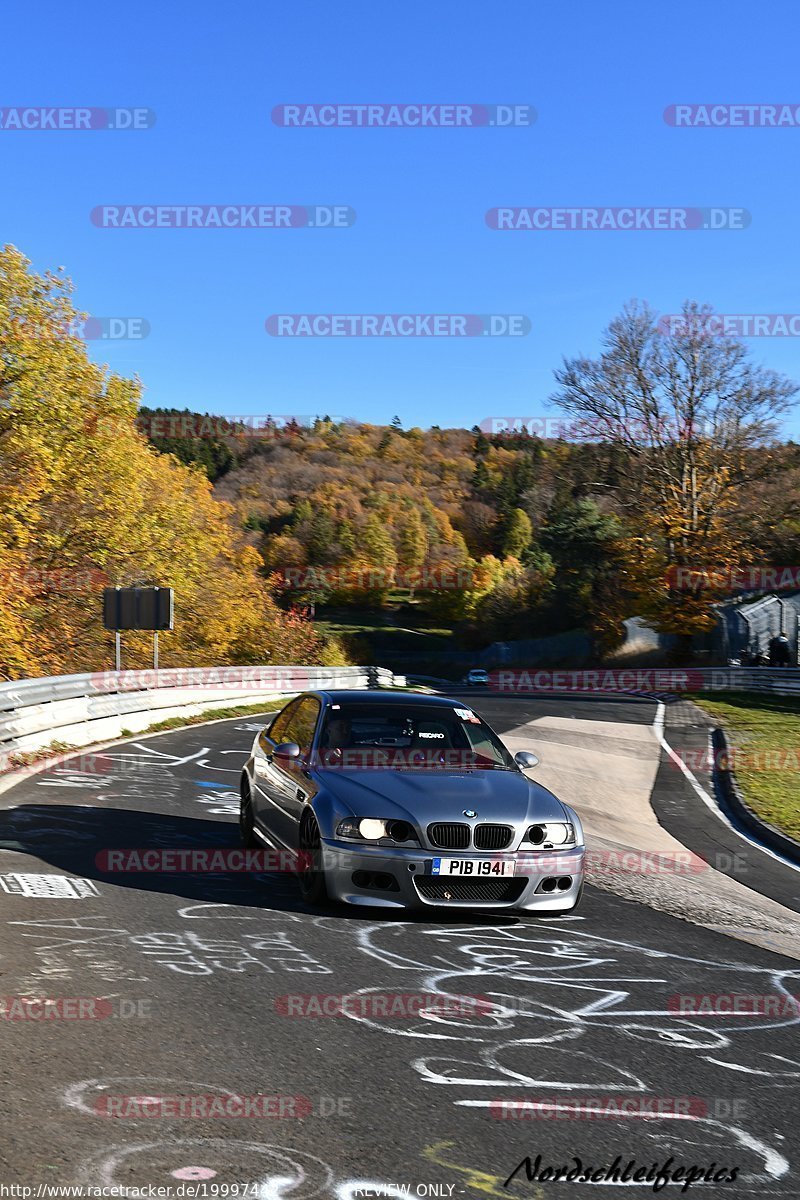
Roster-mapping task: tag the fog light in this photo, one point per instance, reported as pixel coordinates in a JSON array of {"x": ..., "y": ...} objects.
[{"x": 399, "y": 831}]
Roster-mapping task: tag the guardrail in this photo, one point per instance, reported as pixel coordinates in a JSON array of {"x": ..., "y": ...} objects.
[
  {"x": 781, "y": 681},
  {"x": 79, "y": 709}
]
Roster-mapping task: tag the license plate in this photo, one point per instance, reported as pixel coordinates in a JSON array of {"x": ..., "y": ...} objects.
[{"x": 483, "y": 868}]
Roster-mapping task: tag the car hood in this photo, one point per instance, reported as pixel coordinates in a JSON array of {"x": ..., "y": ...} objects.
[{"x": 424, "y": 796}]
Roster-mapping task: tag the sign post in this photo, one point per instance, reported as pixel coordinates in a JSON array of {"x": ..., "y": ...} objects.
[{"x": 138, "y": 608}]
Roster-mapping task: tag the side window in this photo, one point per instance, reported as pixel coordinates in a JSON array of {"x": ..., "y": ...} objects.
[
  {"x": 277, "y": 730},
  {"x": 302, "y": 723}
]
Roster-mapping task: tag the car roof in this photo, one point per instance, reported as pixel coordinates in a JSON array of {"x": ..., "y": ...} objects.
[{"x": 384, "y": 697}]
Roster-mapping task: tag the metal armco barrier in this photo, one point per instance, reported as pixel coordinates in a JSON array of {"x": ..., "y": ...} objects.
[
  {"x": 781, "y": 681},
  {"x": 80, "y": 709}
]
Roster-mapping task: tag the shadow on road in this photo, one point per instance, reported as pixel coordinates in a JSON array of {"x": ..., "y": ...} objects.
[{"x": 76, "y": 838}]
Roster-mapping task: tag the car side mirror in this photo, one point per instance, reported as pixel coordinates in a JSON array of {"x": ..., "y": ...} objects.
[
  {"x": 525, "y": 759},
  {"x": 287, "y": 750}
]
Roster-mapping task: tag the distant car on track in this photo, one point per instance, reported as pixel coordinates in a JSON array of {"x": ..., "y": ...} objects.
[
  {"x": 477, "y": 677},
  {"x": 406, "y": 802}
]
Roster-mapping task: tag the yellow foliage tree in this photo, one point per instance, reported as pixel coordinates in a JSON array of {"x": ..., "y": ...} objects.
[{"x": 85, "y": 501}]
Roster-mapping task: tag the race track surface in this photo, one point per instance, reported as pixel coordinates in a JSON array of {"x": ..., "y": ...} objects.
[{"x": 201, "y": 973}]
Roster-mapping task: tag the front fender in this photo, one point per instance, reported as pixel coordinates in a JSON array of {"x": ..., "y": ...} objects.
[{"x": 576, "y": 821}]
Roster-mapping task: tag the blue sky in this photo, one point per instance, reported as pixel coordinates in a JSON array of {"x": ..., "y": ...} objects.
[{"x": 599, "y": 77}]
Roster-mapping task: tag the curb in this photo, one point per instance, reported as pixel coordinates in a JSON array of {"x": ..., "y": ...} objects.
[{"x": 726, "y": 786}]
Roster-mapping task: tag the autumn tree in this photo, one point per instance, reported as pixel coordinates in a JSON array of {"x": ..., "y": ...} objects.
[
  {"x": 689, "y": 408},
  {"x": 587, "y": 548},
  {"x": 517, "y": 534},
  {"x": 86, "y": 501},
  {"x": 412, "y": 549}
]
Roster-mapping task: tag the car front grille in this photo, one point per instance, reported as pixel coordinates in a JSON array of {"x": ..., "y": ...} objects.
[
  {"x": 493, "y": 837},
  {"x": 449, "y": 836},
  {"x": 479, "y": 891}
]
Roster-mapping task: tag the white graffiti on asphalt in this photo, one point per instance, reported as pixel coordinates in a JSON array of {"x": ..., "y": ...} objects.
[
  {"x": 225, "y": 804},
  {"x": 541, "y": 1036},
  {"x": 263, "y": 1169},
  {"x": 67, "y": 945}
]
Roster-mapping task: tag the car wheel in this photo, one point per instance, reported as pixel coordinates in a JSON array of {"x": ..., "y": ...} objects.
[
  {"x": 246, "y": 816},
  {"x": 312, "y": 874}
]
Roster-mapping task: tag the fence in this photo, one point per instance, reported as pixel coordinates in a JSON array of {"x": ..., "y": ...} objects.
[
  {"x": 779, "y": 681},
  {"x": 572, "y": 646},
  {"x": 647, "y": 681},
  {"x": 80, "y": 709},
  {"x": 748, "y": 628}
]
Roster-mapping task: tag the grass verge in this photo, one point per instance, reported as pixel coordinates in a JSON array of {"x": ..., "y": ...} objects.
[
  {"x": 764, "y": 733},
  {"x": 218, "y": 714}
]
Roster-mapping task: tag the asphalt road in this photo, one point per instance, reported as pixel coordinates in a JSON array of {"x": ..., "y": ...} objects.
[{"x": 196, "y": 971}]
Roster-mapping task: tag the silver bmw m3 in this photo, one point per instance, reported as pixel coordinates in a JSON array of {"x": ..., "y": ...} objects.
[{"x": 407, "y": 801}]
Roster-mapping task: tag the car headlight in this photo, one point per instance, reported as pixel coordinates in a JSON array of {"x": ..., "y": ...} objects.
[
  {"x": 372, "y": 829},
  {"x": 552, "y": 833}
]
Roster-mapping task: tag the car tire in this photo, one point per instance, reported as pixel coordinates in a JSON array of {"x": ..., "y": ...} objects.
[
  {"x": 246, "y": 822},
  {"x": 311, "y": 877}
]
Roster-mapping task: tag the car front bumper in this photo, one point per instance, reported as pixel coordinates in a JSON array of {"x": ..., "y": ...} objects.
[{"x": 406, "y": 867}]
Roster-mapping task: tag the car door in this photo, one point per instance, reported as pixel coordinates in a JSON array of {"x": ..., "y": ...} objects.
[
  {"x": 301, "y": 729},
  {"x": 269, "y": 798},
  {"x": 284, "y": 785}
]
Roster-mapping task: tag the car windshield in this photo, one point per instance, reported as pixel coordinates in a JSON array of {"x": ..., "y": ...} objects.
[{"x": 409, "y": 737}]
